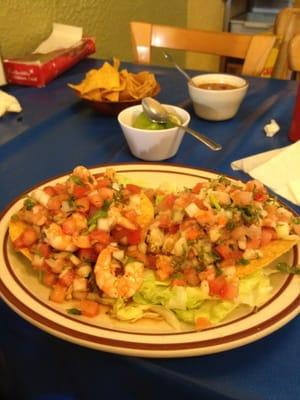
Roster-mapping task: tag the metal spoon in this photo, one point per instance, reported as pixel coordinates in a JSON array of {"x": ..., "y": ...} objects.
[
  {"x": 157, "y": 113},
  {"x": 182, "y": 71}
]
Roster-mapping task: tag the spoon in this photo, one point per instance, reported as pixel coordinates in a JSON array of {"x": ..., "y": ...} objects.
[
  {"x": 182, "y": 71},
  {"x": 157, "y": 113}
]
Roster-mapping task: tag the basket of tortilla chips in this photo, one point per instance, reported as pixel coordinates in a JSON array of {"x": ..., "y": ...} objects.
[{"x": 110, "y": 90}]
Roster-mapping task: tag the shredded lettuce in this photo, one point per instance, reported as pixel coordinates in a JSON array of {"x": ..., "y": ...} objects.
[
  {"x": 189, "y": 303},
  {"x": 255, "y": 288}
]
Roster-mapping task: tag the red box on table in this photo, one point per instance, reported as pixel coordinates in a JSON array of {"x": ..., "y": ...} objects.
[
  {"x": 39, "y": 69},
  {"x": 294, "y": 133}
]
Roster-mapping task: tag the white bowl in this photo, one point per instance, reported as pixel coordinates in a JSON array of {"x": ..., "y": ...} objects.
[
  {"x": 152, "y": 145},
  {"x": 217, "y": 105}
]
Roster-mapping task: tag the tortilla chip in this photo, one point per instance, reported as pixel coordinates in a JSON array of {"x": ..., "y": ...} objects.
[
  {"x": 146, "y": 211},
  {"x": 15, "y": 229},
  {"x": 108, "y": 84},
  {"x": 271, "y": 252}
]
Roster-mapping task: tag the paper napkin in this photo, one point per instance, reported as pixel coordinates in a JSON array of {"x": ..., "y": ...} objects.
[
  {"x": 8, "y": 103},
  {"x": 278, "y": 169},
  {"x": 62, "y": 36}
]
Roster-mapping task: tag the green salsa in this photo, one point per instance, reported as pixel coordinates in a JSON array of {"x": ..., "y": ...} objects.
[{"x": 143, "y": 122}]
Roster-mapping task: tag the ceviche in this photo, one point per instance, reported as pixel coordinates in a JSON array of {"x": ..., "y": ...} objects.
[{"x": 105, "y": 244}]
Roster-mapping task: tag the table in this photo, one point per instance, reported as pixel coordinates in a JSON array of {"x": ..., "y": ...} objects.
[{"x": 54, "y": 133}]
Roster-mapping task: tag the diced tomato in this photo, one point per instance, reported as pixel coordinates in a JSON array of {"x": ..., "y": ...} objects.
[
  {"x": 222, "y": 288},
  {"x": 27, "y": 238},
  {"x": 165, "y": 221},
  {"x": 260, "y": 196},
  {"x": 99, "y": 236},
  {"x": 202, "y": 323},
  {"x": 131, "y": 215},
  {"x": 132, "y": 236},
  {"x": 173, "y": 228},
  {"x": 18, "y": 243},
  {"x": 67, "y": 278},
  {"x": 80, "y": 191},
  {"x": 196, "y": 189},
  {"x": 89, "y": 308},
  {"x": 192, "y": 233},
  {"x": 227, "y": 253},
  {"x": 69, "y": 226},
  {"x": 49, "y": 190},
  {"x": 167, "y": 202},
  {"x": 178, "y": 282},
  {"x": 133, "y": 188},
  {"x": 54, "y": 203},
  {"x": 43, "y": 249},
  {"x": 151, "y": 261},
  {"x": 98, "y": 247},
  {"x": 87, "y": 255},
  {"x": 60, "y": 188},
  {"x": 58, "y": 293},
  {"x": 253, "y": 243},
  {"x": 267, "y": 234},
  {"x": 49, "y": 278},
  {"x": 93, "y": 209},
  {"x": 224, "y": 251},
  {"x": 82, "y": 204},
  {"x": 103, "y": 182}
]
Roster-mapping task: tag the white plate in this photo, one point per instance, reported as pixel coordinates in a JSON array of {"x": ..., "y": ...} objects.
[{"x": 21, "y": 290}]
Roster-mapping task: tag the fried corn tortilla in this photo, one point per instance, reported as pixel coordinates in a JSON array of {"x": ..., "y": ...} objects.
[
  {"x": 271, "y": 252},
  {"x": 16, "y": 228},
  {"x": 109, "y": 84}
]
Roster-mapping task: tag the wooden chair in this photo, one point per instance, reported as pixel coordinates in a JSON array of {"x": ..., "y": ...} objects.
[
  {"x": 294, "y": 55},
  {"x": 287, "y": 25},
  {"x": 253, "y": 50}
]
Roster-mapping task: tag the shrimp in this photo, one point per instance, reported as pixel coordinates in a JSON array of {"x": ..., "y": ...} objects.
[
  {"x": 38, "y": 215},
  {"x": 109, "y": 279},
  {"x": 84, "y": 174},
  {"x": 57, "y": 239}
]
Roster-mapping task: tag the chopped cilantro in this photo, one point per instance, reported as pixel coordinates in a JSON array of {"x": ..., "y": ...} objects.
[
  {"x": 289, "y": 269},
  {"x": 131, "y": 259},
  {"x": 231, "y": 225},
  {"x": 249, "y": 214},
  {"x": 29, "y": 204},
  {"x": 71, "y": 202},
  {"x": 102, "y": 213},
  {"x": 218, "y": 269},
  {"x": 74, "y": 311},
  {"x": 223, "y": 179},
  {"x": 243, "y": 261},
  {"x": 214, "y": 202},
  {"x": 76, "y": 180}
]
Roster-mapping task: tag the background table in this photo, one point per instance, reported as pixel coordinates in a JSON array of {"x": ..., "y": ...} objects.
[{"x": 56, "y": 132}]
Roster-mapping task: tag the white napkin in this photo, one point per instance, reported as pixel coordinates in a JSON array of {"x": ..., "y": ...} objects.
[
  {"x": 62, "y": 36},
  {"x": 8, "y": 103},
  {"x": 278, "y": 169}
]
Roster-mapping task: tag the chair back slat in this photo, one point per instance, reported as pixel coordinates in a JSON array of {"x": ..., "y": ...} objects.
[{"x": 254, "y": 50}]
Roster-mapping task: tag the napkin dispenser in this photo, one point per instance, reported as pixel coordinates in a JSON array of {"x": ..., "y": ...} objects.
[
  {"x": 294, "y": 133},
  {"x": 60, "y": 51}
]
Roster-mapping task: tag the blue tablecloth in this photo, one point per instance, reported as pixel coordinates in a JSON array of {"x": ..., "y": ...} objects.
[{"x": 54, "y": 133}]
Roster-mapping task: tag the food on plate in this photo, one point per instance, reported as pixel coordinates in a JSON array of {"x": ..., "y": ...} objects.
[
  {"x": 103, "y": 243},
  {"x": 108, "y": 84},
  {"x": 142, "y": 121}
]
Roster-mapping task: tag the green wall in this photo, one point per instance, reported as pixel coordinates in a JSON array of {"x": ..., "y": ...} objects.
[{"x": 25, "y": 23}]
